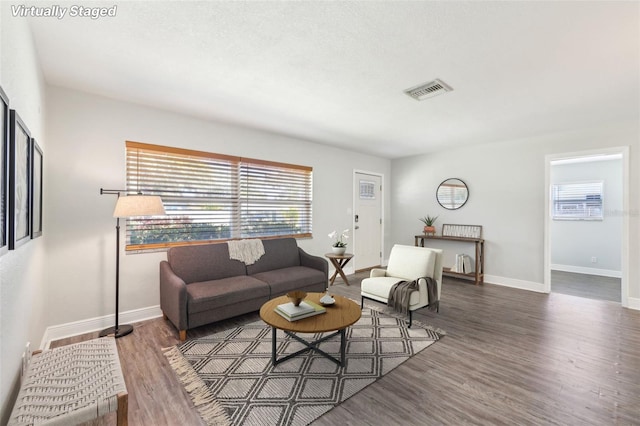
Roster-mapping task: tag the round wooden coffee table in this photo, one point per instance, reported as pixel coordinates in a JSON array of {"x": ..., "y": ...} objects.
[{"x": 339, "y": 316}]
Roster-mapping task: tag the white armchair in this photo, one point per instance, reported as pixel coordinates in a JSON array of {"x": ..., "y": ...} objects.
[{"x": 405, "y": 263}]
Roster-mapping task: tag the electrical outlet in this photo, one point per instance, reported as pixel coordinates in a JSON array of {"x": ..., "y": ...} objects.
[{"x": 594, "y": 259}]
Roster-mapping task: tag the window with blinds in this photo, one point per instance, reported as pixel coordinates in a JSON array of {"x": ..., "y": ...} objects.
[
  {"x": 577, "y": 201},
  {"x": 209, "y": 197}
]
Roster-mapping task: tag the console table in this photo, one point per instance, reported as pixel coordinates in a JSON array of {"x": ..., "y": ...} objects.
[{"x": 478, "y": 275}]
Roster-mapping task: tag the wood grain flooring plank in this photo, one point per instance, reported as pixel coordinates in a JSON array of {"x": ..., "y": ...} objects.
[{"x": 510, "y": 357}]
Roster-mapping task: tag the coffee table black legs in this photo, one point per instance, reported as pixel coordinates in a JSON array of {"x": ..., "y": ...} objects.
[{"x": 310, "y": 346}]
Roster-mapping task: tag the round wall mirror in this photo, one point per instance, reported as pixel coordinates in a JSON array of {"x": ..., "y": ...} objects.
[{"x": 452, "y": 194}]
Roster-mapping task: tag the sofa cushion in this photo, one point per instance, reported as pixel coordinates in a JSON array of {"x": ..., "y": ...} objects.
[
  {"x": 208, "y": 295},
  {"x": 284, "y": 280},
  {"x": 278, "y": 253},
  {"x": 205, "y": 262}
]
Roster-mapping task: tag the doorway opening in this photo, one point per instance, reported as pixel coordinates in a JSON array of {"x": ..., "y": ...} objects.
[{"x": 586, "y": 238}]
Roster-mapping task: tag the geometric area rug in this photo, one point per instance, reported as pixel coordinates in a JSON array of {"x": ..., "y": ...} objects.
[{"x": 230, "y": 378}]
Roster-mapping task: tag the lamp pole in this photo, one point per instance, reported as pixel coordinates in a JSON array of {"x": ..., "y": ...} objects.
[{"x": 117, "y": 330}]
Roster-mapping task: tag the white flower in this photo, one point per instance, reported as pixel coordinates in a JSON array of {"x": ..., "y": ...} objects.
[{"x": 339, "y": 239}]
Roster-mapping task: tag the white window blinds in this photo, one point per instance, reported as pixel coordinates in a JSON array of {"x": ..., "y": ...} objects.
[
  {"x": 578, "y": 201},
  {"x": 211, "y": 197}
]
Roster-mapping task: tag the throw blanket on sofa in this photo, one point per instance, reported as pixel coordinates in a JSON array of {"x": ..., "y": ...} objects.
[
  {"x": 247, "y": 251},
  {"x": 400, "y": 293}
]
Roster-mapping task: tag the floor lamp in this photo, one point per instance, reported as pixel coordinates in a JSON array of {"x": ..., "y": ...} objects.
[{"x": 128, "y": 206}]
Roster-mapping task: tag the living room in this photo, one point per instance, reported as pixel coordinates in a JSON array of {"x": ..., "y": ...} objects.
[{"x": 61, "y": 284}]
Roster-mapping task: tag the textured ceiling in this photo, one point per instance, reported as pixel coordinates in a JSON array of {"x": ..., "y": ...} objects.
[{"x": 335, "y": 72}]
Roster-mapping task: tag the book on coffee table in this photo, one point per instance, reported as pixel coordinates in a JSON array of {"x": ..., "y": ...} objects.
[{"x": 293, "y": 313}]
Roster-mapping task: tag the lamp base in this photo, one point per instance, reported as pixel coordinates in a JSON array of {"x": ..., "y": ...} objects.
[{"x": 123, "y": 330}]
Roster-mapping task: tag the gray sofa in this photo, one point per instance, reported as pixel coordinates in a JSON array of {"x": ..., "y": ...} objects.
[{"x": 200, "y": 284}]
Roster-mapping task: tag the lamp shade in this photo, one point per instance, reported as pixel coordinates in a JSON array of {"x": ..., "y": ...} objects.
[{"x": 139, "y": 205}]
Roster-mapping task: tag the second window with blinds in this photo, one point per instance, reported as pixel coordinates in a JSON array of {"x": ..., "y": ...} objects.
[
  {"x": 577, "y": 201},
  {"x": 215, "y": 197}
]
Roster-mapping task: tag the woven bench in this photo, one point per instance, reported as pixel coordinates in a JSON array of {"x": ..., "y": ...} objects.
[{"x": 72, "y": 384}]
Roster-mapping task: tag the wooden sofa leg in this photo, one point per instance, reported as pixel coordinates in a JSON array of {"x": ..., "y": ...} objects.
[
  {"x": 183, "y": 335},
  {"x": 123, "y": 408},
  {"x": 410, "y": 319}
]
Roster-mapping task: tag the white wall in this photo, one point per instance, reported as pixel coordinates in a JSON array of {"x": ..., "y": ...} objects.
[
  {"x": 86, "y": 148},
  {"x": 22, "y": 284},
  {"x": 575, "y": 242},
  {"x": 507, "y": 188}
]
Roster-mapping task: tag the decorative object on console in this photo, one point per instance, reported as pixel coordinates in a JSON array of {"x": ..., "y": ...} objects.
[
  {"x": 463, "y": 231},
  {"x": 452, "y": 194},
  {"x": 428, "y": 224},
  {"x": 128, "y": 206},
  {"x": 463, "y": 264}
]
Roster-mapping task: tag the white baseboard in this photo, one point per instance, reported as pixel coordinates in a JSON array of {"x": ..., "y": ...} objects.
[
  {"x": 587, "y": 271},
  {"x": 62, "y": 331},
  {"x": 633, "y": 303},
  {"x": 515, "y": 283}
]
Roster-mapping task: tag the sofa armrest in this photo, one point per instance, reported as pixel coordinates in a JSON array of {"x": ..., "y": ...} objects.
[
  {"x": 377, "y": 272},
  {"x": 173, "y": 296},
  {"x": 315, "y": 262}
]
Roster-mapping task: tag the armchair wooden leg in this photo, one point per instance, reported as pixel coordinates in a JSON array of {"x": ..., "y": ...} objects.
[
  {"x": 410, "y": 319},
  {"x": 183, "y": 335}
]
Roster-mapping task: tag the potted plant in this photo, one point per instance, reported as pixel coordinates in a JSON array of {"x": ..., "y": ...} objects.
[
  {"x": 339, "y": 246},
  {"x": 428, "y": 224}
]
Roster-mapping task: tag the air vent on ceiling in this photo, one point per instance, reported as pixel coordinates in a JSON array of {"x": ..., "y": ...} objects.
[{"x": 428, "y": 90}]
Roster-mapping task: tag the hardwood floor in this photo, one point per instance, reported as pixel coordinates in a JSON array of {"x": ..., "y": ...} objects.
[
  {"x": 510, "y": 357},
  {"x": 584, "y": 285}
]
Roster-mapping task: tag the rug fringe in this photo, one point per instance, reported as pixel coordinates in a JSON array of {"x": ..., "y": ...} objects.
[{"x": 208, "y": 407}]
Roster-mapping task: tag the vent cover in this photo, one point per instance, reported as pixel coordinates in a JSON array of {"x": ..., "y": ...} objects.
[{"x": 428, "y": 90}]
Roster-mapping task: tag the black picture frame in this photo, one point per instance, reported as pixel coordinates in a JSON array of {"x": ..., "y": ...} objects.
[
  {"x": 37, "y": 168},
  {"x": 4, "y": 172},
  {"x": 19, "y": 182}
]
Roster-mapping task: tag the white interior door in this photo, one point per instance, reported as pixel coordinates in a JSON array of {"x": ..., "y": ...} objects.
[{"x": 367, "y": 220}]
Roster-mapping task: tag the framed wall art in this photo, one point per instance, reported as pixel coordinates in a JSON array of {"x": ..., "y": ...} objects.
[
  {"x": 36, "y": 189},
  {"x": 4, "y": 170},
  {"x": 19, "y": 182}
]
